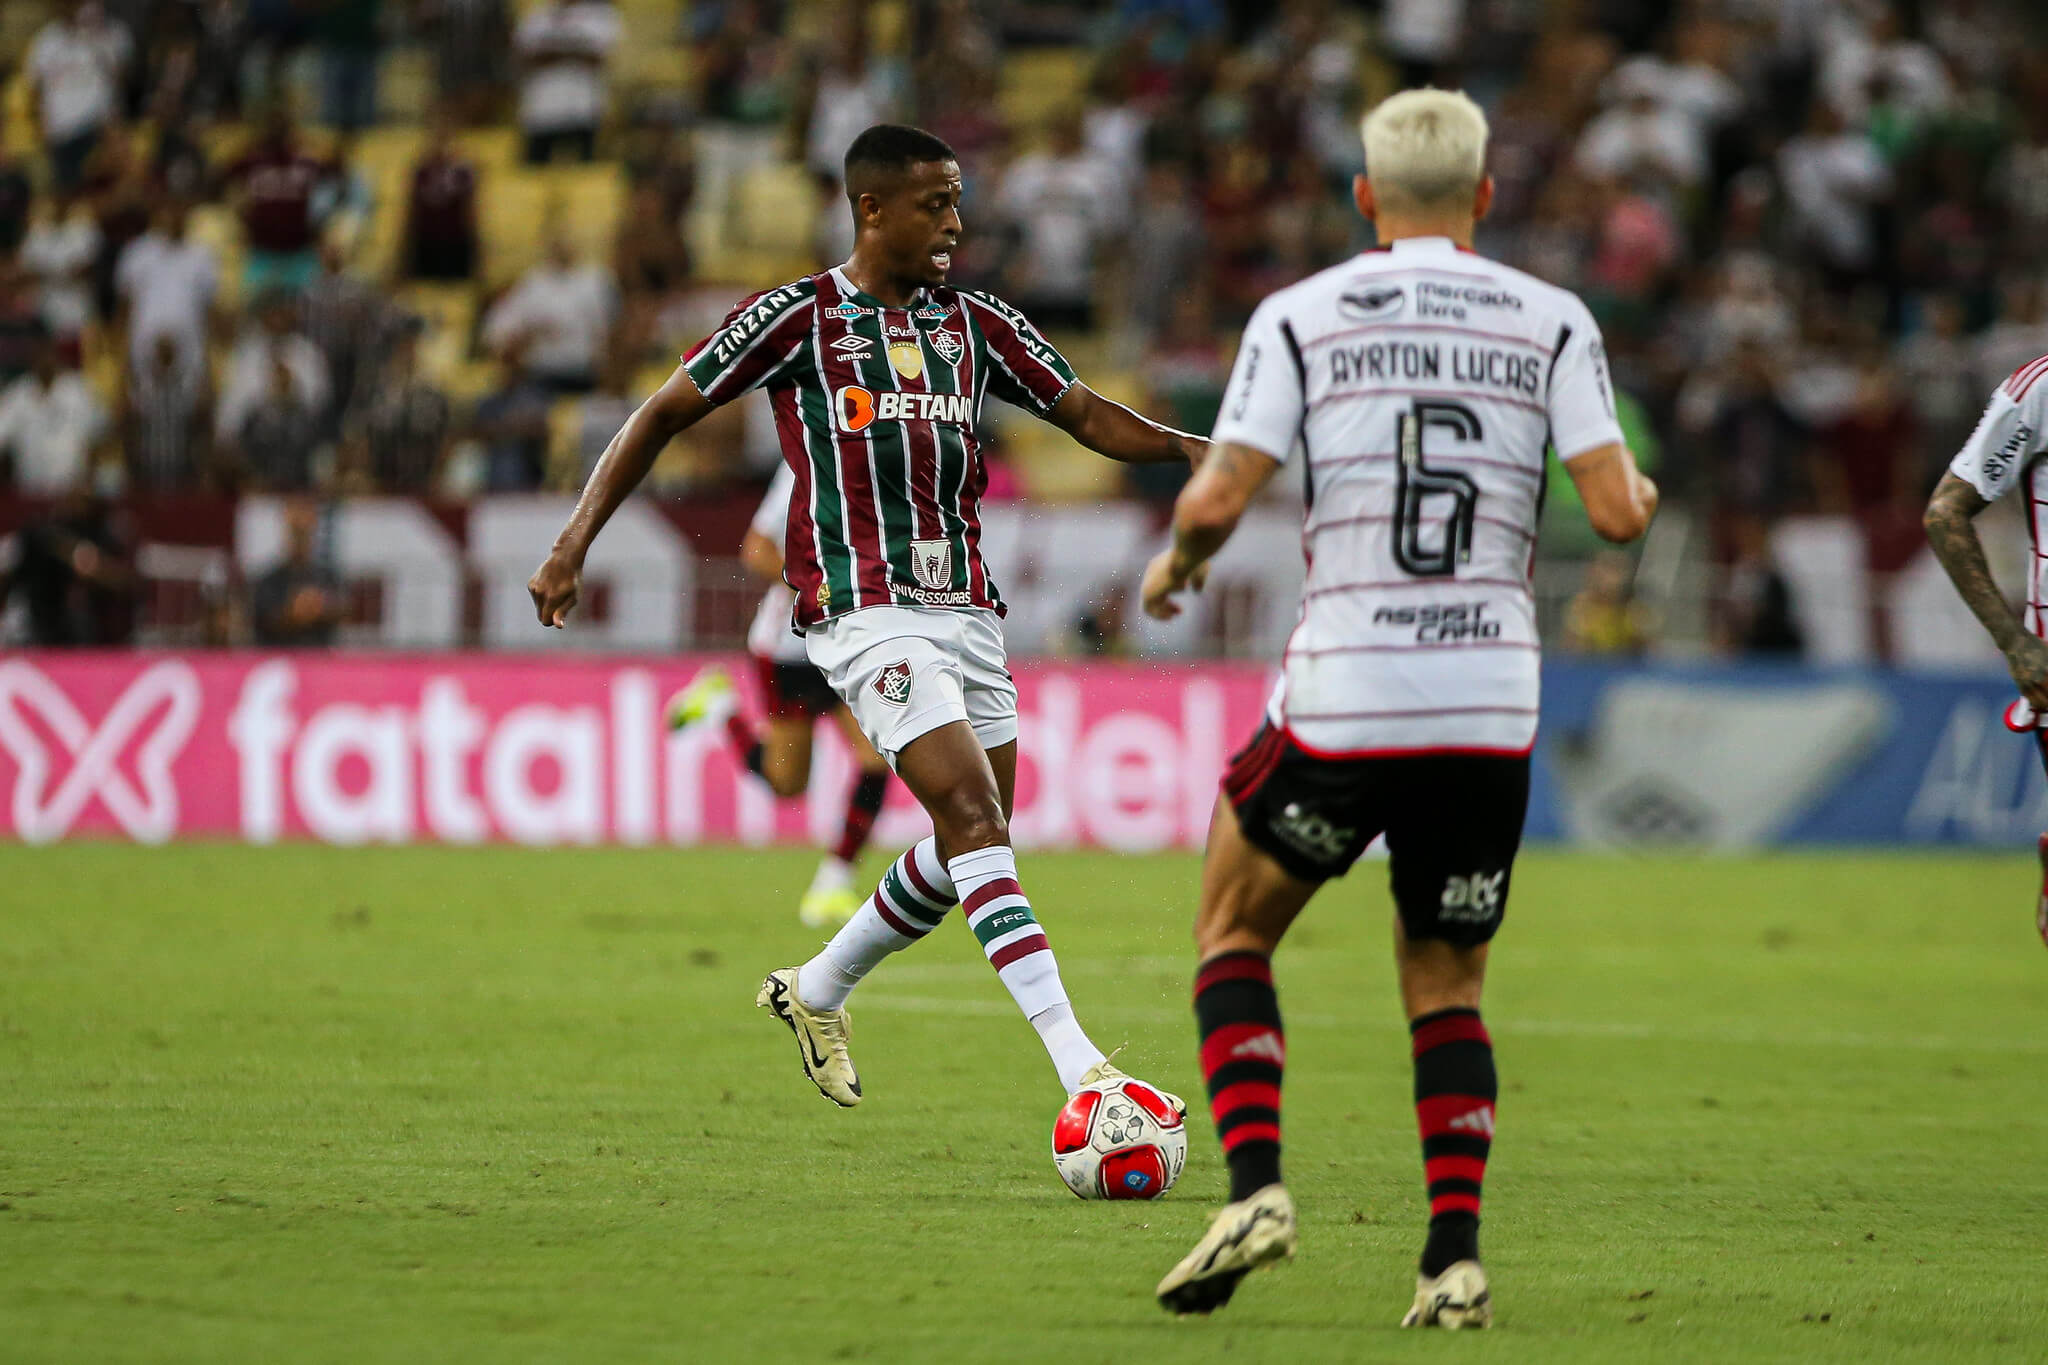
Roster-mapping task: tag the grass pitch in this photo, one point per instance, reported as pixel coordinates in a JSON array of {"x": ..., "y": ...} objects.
[{"x": 306, "y": 1104}]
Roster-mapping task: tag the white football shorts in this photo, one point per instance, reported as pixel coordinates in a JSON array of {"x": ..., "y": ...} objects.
[{"x": 905, "y": 671}]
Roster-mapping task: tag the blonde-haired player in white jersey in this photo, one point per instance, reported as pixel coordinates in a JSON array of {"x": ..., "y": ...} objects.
[
  {"x": 2003, "y": 455},
  {"x": 1418, "y": 385}
]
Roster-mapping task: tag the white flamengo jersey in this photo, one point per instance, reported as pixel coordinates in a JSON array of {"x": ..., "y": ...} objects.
[
  {"x": 1422, "y": 384},
  {"x": 2002, "y": 454},
  {"x": 770, "y": 637}
]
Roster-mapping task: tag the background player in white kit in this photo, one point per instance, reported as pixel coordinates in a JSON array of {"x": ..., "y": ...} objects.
[
  {"x": 1422, "y": 384},
  {"x": 2002, "y": 454},
  {"x": 795, "y": 697}
]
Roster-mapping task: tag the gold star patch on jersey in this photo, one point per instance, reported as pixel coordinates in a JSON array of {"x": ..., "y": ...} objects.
[{"x": 906, "y": 358}]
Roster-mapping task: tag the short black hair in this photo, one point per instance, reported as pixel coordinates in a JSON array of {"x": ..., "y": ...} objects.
[{"x": 888, "y": 149}]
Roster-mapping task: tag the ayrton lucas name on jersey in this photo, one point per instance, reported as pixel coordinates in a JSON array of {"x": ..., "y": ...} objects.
[
  {"x": 1411, "y": 362},
  {"x": 858, "y": 409}
]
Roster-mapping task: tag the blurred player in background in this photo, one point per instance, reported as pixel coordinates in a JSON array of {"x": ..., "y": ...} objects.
[
  {"x": 1421, "y": 383},
  {"x": 796, "y": 696},
  {"x": 877, "y": 371},
  {"x": 2003, "y": 454}
]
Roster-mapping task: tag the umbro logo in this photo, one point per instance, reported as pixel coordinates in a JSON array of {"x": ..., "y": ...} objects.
[
  {"x": 854, "y": 347},
  {"x": 1266, "y": 1046},
  {"x": 1478, "y": 1121}
]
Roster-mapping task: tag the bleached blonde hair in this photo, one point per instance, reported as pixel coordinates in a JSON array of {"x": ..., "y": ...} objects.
[{"x": 1425, "y": 149}]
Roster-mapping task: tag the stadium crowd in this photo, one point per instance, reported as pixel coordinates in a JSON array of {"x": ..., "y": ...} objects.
[{"x": 1813, "y": 230}]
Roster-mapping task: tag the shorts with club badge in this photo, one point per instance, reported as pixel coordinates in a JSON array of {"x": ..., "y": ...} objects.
[{"x": 906, "y": 671}]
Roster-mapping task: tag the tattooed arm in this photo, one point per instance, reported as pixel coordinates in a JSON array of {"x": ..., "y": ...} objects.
[
  {"x": 1951, "y": 530},
  {"x": 1204, "y": 515}
]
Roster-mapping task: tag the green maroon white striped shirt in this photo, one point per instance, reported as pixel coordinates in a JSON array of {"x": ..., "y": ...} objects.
[{"x": 876, "y": 409}]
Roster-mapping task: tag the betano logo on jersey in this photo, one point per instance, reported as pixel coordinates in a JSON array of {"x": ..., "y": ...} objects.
[{"x": 858, "y": 409}]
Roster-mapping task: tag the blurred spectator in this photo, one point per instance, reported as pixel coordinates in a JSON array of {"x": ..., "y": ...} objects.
[
  {"x": 603, "y": 413},
  {"x": 298, "y": 603},
  {"x": 1938, "y": 374},
  {"x": 346, "y": 31},
  {"x": 849, "y": 92},
  {"x": 1605, "y": 617},
  {"x": 50, "y": 426},
  {"x": 74, "y": 567},
  {"x": 1831, "y": 177},
  {"x": 651, "y": 261},
  {"x": 167, "y": 283},
  {"x": 351, "y": 321},
  {"x": 472, "y": 53},
  {"x": 22, "y": 333},
  {"x": 1756, "y": 614},
  {"x": 440, "y": 213},
  {"x": 126, "y": 200},
  {"x": 563, "y": 47},
  {"x": 274, "y": 185},
  {"x": 1867, "y": 466},
  {"x": 559, "y": 316},
  {"x": 1166, "y": 246},
  {"x": 77, "y": 64},
  {"x": 272, "y": 440},
  {"x": 512, "y": 424},
  {"x": 399, "y": 434},
  {"x": 1864, "y": 65},
  {"x": 1060, "y": 206},
  {"x": 1422, "y": 37},
  {"x": 166, "y": 417},
  {"x": 1642, "y": 138},
  {"x": 60, "y": 251},
  {"x": 273, "y": 347},
  {"x": 1754, "y": 445}
]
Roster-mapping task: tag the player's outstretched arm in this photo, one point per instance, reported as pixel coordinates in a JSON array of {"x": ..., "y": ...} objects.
[
  {"x": 1109, "y": 428},
  {"x": 1620, "y": 500},
  {"x": 673, "y": 408},
  {"x": 1952, "y": 532},
  {"x": 1204, "y": 515}
]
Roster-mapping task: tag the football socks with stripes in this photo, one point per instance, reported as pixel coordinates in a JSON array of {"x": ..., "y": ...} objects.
[
  {"x": 913, "y": 896},
  {"x": 1455, "y": 1090},
  {"x": 863, "y": 804},
  {"x": 740, "y": 733},
  {"x": 1002, "y": 921},
  {"x": 1244, "y": 1053}
]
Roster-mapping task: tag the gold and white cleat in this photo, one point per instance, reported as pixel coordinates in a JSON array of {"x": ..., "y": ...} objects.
[
  {"x": 1456, "y": 1299},
  {"x": 1107, "y": 1070},
  {"x": 1253, "y": 1232},
  {"x": 820, "y": 1038}
]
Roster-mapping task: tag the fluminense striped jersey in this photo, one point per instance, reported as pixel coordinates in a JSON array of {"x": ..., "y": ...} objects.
[
  {"x": 1422, "y": 384},
  {"x": 2005, "y": 453},
  {"x": 876, "y": 409}
]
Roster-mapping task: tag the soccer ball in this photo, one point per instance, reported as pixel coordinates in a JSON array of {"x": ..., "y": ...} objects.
[{"x": 1119, "y": 1139}]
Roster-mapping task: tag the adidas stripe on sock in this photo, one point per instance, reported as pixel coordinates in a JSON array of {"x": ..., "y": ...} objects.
[{"x": 1244, "y": 1055}]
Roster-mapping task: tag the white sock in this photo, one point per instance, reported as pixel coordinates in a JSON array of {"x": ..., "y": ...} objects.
[
  {"x": 913, "y": 897},
  {"x": 1071, "y": 1051},
  {"x": 986, "y": 881}
]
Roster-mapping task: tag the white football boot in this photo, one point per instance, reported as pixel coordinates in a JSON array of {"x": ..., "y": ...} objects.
[
  {"x": 1106, "y": 1070},
  {"x": 820, "y": 1038},
  {"x": 1455, "y": 1299},
  {"x": 1254, "y": 1231}
]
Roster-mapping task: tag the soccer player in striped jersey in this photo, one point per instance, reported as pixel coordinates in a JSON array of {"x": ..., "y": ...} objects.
[
  {"x": 2003, "y": 455},
  {"x": 877, "y": 371},
  {"x": 1422, "y": 383},
  {"x": 796, "y": 697}
]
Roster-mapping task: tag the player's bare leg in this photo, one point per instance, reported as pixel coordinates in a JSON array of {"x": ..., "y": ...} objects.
[
  {"x": 1248, "y": 903},
  {"x": 1455, "y": 1089}
]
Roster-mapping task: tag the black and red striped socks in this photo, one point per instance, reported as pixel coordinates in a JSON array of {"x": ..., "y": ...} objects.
[
  {"x": 745, "y": 741},
  {"x": 1455, "y": 1090},
  {"x": 863, "y": 804},
  {"x": 1244, "y": 1052}
]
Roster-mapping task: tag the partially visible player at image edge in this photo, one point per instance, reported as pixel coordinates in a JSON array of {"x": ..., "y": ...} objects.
[
  {"x": 796, "y": 697},
  {"x": 1422, "y": 383},
  {"x": 2003, "y": 454},
  {"x": 877, "y": 372}
]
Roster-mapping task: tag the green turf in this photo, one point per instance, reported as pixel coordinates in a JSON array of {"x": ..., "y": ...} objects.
[{"x": 304, "y": 1104}]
